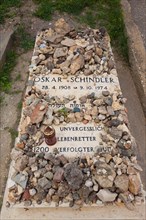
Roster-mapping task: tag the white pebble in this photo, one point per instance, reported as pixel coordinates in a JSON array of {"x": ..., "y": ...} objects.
[{"x": 88, "y": 183}]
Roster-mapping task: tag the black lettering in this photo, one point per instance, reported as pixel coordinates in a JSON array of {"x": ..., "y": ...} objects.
[
  {"x": 37, "y": 79},
  {"x": 59, "y": 79},
  {"x": 111, "y": 80}
]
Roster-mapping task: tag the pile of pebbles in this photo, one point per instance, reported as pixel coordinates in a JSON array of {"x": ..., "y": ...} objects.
[{"x": 51, "y": 177}]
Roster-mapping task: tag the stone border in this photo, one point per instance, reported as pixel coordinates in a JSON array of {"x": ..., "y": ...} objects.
[
  {"x": 137, "y": 53},
  {"x": 6, "y": 39}
]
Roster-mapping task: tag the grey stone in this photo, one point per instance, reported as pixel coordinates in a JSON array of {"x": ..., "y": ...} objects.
[
  {"x": 115, "y": 133},
  {"x": 106, "y": 196},
  {"x": 105, "y": 93},
  {"x": 32, "y": 192},
  {"x": 110, "y": 110},
  {"x": 88, "y": 183},
  {"x": 50, "y": 157},
  {"x": 115, "y": 122},
  {"x": 49, "y": 175},
  {"x": 127, "y": 153},
  {"x": 60, "y": 52},
  {"x": 103, "y": 171},
  {"x": 84, "y": 192},
  {"x": 108, "y": 101},
  {"x": 95, "y": 188},
  {"x": 21, "y": 180},
  {"x": 63, "y": 190},
  {"x": 102, "y": 110},
  {"x": 83, "y": 99},
  {"x": 101, "y": 117},
  {"x": 73, "y": 176},
  {"x": 15, "y": 154},
  {"x": 40, "y": 195},
  {"x": 111, "y": 64},
  {"x": 44, "y": 183},
  {"x": 21, "y": 163}
]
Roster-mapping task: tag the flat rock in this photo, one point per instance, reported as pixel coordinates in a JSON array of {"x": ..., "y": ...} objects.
[
  {"x": 134, "y": 184},
  {"x": 106, "y": 196},
  {"x": 73, "y": 176},
  {"x": 60, "y": 52},
  {"x": 68, "y": 42},
  {"x": 21, "y": 163},
  {"x": 55, "y": 38},
  {"x": 44, "y": 183},
  {"x": 122, "y": 182},
  {"x": 20, "y": 179},
  {"x": 77, "y": 64},
  {"x": 15, "y": 154},
  {"x": 37, "y": 114},
  {"x": 62, "y": 27},
  {"x": 102, "y": 173}
]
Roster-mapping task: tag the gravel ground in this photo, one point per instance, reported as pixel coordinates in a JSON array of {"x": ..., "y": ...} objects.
[{"x": 138, "y": 9}]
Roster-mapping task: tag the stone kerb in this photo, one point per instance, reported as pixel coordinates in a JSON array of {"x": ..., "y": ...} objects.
[{"x": 74, "y": 146}]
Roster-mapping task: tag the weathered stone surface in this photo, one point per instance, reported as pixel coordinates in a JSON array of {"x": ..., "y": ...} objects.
[
  {"x": 68, "y": 42},
  {"x": 40, "y": 195},
  {"x": 21, "y": 163},
  {"x": 88, "y": 183},
  {"x": 60, "y": 52},
  {"x": 73, "y": 87},
  {"x": 122, "y": 182},
  {"x": 63, "y": 190},
  {"x": 20, "y": 179},
  {"x": 44, "y": 183},
  {"x": 77, "y": 64},
  {"x": 62, "y": 27},
  {"x": 32, "y": 192},
  {"x": 73, "y": 176},
  {"x": 15, "y": 154},
  {"x": 37, "y": 114},
  {"x": 55, "y": 38},
  {"x": 134, "y": 184},
  {"x": 49, "y": 175},
  {"x": 58, "y": 176},
  {"x": 106, "y": 196},
  {"x": 104, "y": 175}
]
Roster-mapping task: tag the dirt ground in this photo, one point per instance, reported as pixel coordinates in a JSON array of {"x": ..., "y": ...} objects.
[{"x": 10, "y": 112}]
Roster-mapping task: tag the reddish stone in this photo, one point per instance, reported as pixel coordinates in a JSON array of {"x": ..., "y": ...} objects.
[
  {"x": 85, "y": 121},
  {"x": 58, "y": 176},
  {"x": 134, "y": 184},
  {"x": 37, "y": 114},
  {"x": 20, "y": 145},
  {"x": 26, "y": 195}
]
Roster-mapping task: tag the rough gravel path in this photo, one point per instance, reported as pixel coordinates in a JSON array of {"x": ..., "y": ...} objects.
[{"x": 138, "y": 9}]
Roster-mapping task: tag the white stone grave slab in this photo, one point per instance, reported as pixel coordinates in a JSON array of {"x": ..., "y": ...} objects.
[{"x": 73, "y": 87}]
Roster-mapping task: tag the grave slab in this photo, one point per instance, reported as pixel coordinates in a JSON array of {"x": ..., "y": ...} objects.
[{"x": 74, "y": 147}]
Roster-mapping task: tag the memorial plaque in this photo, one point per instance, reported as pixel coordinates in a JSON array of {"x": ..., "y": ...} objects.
[{"x": 74, "y": 145}]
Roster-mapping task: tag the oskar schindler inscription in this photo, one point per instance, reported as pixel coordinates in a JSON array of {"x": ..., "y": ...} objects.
[
  {"x": 75, "y": 139},
  {"x": 73, "y": 84}
]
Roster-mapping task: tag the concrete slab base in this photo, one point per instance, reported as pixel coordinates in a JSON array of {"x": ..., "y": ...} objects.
[
  {"x": 137, "y": 53},
  {"x": 105, "y": 212},
  {"x": 5, "y": 44}
]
